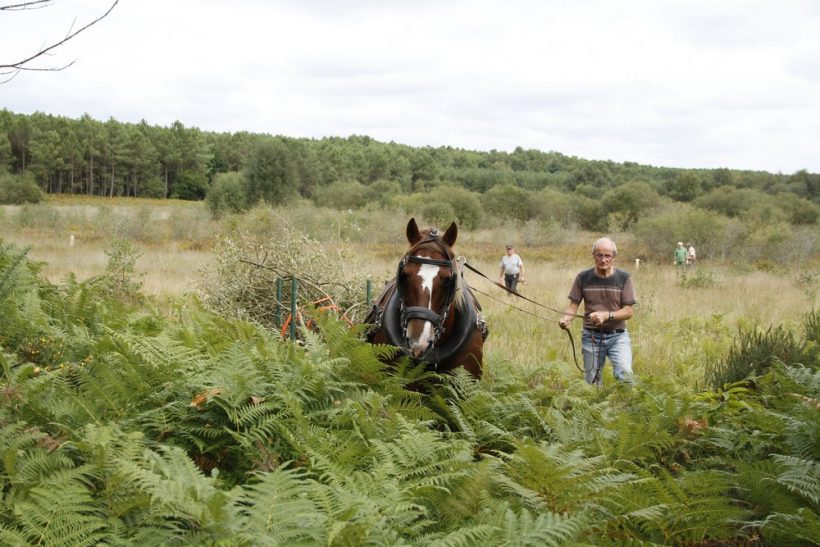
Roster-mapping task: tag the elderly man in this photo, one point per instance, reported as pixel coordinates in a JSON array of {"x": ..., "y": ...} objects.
[{"x": 608, "y": 294}]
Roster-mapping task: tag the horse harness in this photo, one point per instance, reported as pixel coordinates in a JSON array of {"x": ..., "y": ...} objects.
[{"x": 391, "y": 313}]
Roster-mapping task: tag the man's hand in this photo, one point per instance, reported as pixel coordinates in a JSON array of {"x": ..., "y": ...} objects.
[{"x": 598, "y": 318}]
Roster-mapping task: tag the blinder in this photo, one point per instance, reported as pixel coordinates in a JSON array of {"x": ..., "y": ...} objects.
[{"x": 419, "y": 312}]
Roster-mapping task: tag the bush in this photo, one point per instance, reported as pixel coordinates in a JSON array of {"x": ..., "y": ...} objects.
[
  {"x": 226, "y": 194},
  {"x": 699, "y": 278},
  {"x": 343, "y": 195},
  {"x": 19, "y": 189},
  {"x": 707, "y": 230},
  {"x": 753, "y": 354},
  {"x": 121, "y": 279},
  {"x": 190, "y": 185},
  {"x": 508, "y": 201}
]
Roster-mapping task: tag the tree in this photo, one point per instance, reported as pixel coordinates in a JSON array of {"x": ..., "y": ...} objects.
[
  {"x": 226, "y": 194},
  {"x": 9, "y": 71},
  {"x": 272, "y": 173},
  {"x": 686, "y": 187},
  {"x": 626, "y": 203},
  {"x": 508, "y": 201}
]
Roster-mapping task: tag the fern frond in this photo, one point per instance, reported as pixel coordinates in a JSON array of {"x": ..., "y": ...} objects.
[
  {"x": 539, "y": 529},
  {"x": 799, "y": 476},
  {"x": 276, "y": 509},
  {"x": 63, "y": 512}
]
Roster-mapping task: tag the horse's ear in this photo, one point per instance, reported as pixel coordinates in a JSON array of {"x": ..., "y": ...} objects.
[
  {"x": 413, "y": 234},
  {"x": 451, "y": 234}
]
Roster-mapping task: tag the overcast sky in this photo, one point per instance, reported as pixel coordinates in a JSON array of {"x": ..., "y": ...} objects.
[{"x": 677, "y": 83}]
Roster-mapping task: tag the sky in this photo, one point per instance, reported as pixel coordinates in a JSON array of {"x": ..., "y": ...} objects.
[{"x": 674, "y": 83}]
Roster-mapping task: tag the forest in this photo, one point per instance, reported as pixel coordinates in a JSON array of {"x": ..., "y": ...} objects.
[{"x": 47, "y": 154}]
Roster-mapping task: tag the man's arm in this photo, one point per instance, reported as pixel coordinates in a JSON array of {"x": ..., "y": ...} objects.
[{"x": 569, "y": 314}]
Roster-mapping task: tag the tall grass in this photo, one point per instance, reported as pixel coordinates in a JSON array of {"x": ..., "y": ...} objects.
[{"x": 676, "y": 330}]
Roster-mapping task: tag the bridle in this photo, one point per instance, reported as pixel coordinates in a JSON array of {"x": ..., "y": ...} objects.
[{"x": 420, "y": 312}]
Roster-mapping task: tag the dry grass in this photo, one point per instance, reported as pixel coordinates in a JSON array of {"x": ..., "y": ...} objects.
[{"x": 675, "y": 329}]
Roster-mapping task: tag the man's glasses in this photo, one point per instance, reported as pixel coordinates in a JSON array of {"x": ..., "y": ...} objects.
[{"x": 603, "y": 256}]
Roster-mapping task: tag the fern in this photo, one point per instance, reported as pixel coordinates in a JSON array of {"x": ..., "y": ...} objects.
[
  {"x": 799, "y": 476},
  {"x": 275, "y": 511},
  {"x": 61, "y": 513},
  {"x": 10, "y": 270}
]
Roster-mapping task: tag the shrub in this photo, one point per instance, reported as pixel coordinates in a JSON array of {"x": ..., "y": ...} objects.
[
  {"x": 458, "y": 204},
  {"x": 508, "y": 201},
  {"x": 707, "y": 230},
  {"x": 226, "y": 194},
  {"x": 699, "y": 278},
  {"x": 190, "y": 185},
  {"x": 18, "y": 189},
  {"x": 121, "y": 279},
  {"x": 753, "y": 353},
  {"x": 343, "y": 195}
]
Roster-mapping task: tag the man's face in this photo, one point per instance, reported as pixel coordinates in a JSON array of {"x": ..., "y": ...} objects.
[
  {"x": 509, "y": 250},
  {"x": 604, "y": 255}
]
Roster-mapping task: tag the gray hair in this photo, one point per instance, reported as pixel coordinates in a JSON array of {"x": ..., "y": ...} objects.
[{"x": 603, "y": 240}]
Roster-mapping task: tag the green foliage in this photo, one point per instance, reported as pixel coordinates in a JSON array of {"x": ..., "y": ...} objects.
[
  {"x": 17, "y": 189},
  {"x": 121, "y": 278},
  {"x": 711, "y": 234},
  {"x": 627, "y": 203},
  {"x": 226, "y": 195},
  {"x": 343, "y": 195},
  {"x": 697, "y": 278},
  {"x": 190, "y": 185},
  {"x": 754, "y": 352},
  {"x": 189, "y": 427},
  {"x": 271, "y": 173},
  {"x": 508, "y": 202},
  {"x": 687, "y": 186}
]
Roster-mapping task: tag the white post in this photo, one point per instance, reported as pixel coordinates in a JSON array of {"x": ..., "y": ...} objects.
[
  {"x": 637, "y": 263},
  {"x": 71, "y": 240}
]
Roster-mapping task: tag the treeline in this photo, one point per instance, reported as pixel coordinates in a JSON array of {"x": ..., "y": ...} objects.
[{"x": 234, "y": 171}]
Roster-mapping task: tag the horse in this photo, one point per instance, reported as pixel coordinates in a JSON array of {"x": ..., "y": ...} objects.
[{"x": 427, "y": 310}]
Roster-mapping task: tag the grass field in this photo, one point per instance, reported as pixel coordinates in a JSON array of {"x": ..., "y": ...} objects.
[{"x": 675, "y": 330}]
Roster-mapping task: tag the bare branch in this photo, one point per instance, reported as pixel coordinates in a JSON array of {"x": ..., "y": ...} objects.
[
  {"x": 15, "y": 68},
  {"x": 38, "y": 4}
]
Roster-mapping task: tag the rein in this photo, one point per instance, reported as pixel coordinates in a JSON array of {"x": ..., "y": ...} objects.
[{"x": 464, "y": 262}]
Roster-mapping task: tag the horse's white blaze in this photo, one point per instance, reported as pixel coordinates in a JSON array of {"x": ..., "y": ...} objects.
[{"x": 428, "y": 273}]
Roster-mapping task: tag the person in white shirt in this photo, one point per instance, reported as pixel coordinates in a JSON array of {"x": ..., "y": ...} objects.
[
  {"x": 691, "y": 257},
  {"x": 512, "y": 269}
]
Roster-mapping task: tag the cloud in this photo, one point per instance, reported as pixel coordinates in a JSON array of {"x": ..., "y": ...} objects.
[{"x": 677, "y": 83}]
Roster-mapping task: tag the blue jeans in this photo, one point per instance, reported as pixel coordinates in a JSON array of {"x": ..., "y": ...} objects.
[{"x": 597, "y": 346}]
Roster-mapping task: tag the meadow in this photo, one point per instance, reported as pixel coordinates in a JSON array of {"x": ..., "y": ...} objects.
[{"x": 681, "y": 322}]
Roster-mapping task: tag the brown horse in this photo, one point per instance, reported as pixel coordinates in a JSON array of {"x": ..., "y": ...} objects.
[{"x": 428, "y": 311}]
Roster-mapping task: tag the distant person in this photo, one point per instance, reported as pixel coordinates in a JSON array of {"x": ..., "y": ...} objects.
[
  {"x": 691, "y": 256},
  {"x": 680, "y": 255},
  {"x": 512, "y": 269},
  {"x": 609, "y": 295}
]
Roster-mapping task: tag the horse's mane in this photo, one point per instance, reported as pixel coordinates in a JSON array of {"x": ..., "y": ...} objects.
[{"x": 436, "y": 246}]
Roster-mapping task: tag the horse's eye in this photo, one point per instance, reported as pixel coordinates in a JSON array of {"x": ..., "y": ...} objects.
[{"x": 447, "y": 281}]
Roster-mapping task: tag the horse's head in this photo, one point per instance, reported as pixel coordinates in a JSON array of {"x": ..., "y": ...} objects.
[{"x": 427, "y": 282}]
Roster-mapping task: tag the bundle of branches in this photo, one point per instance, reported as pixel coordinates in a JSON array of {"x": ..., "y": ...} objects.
[{"x": 250, "y": 261}]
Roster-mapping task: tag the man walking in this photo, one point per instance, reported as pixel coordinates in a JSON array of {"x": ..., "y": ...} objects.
[
  {"x": 609, "y": 295},
  {"x": 512, "y": 269}
]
